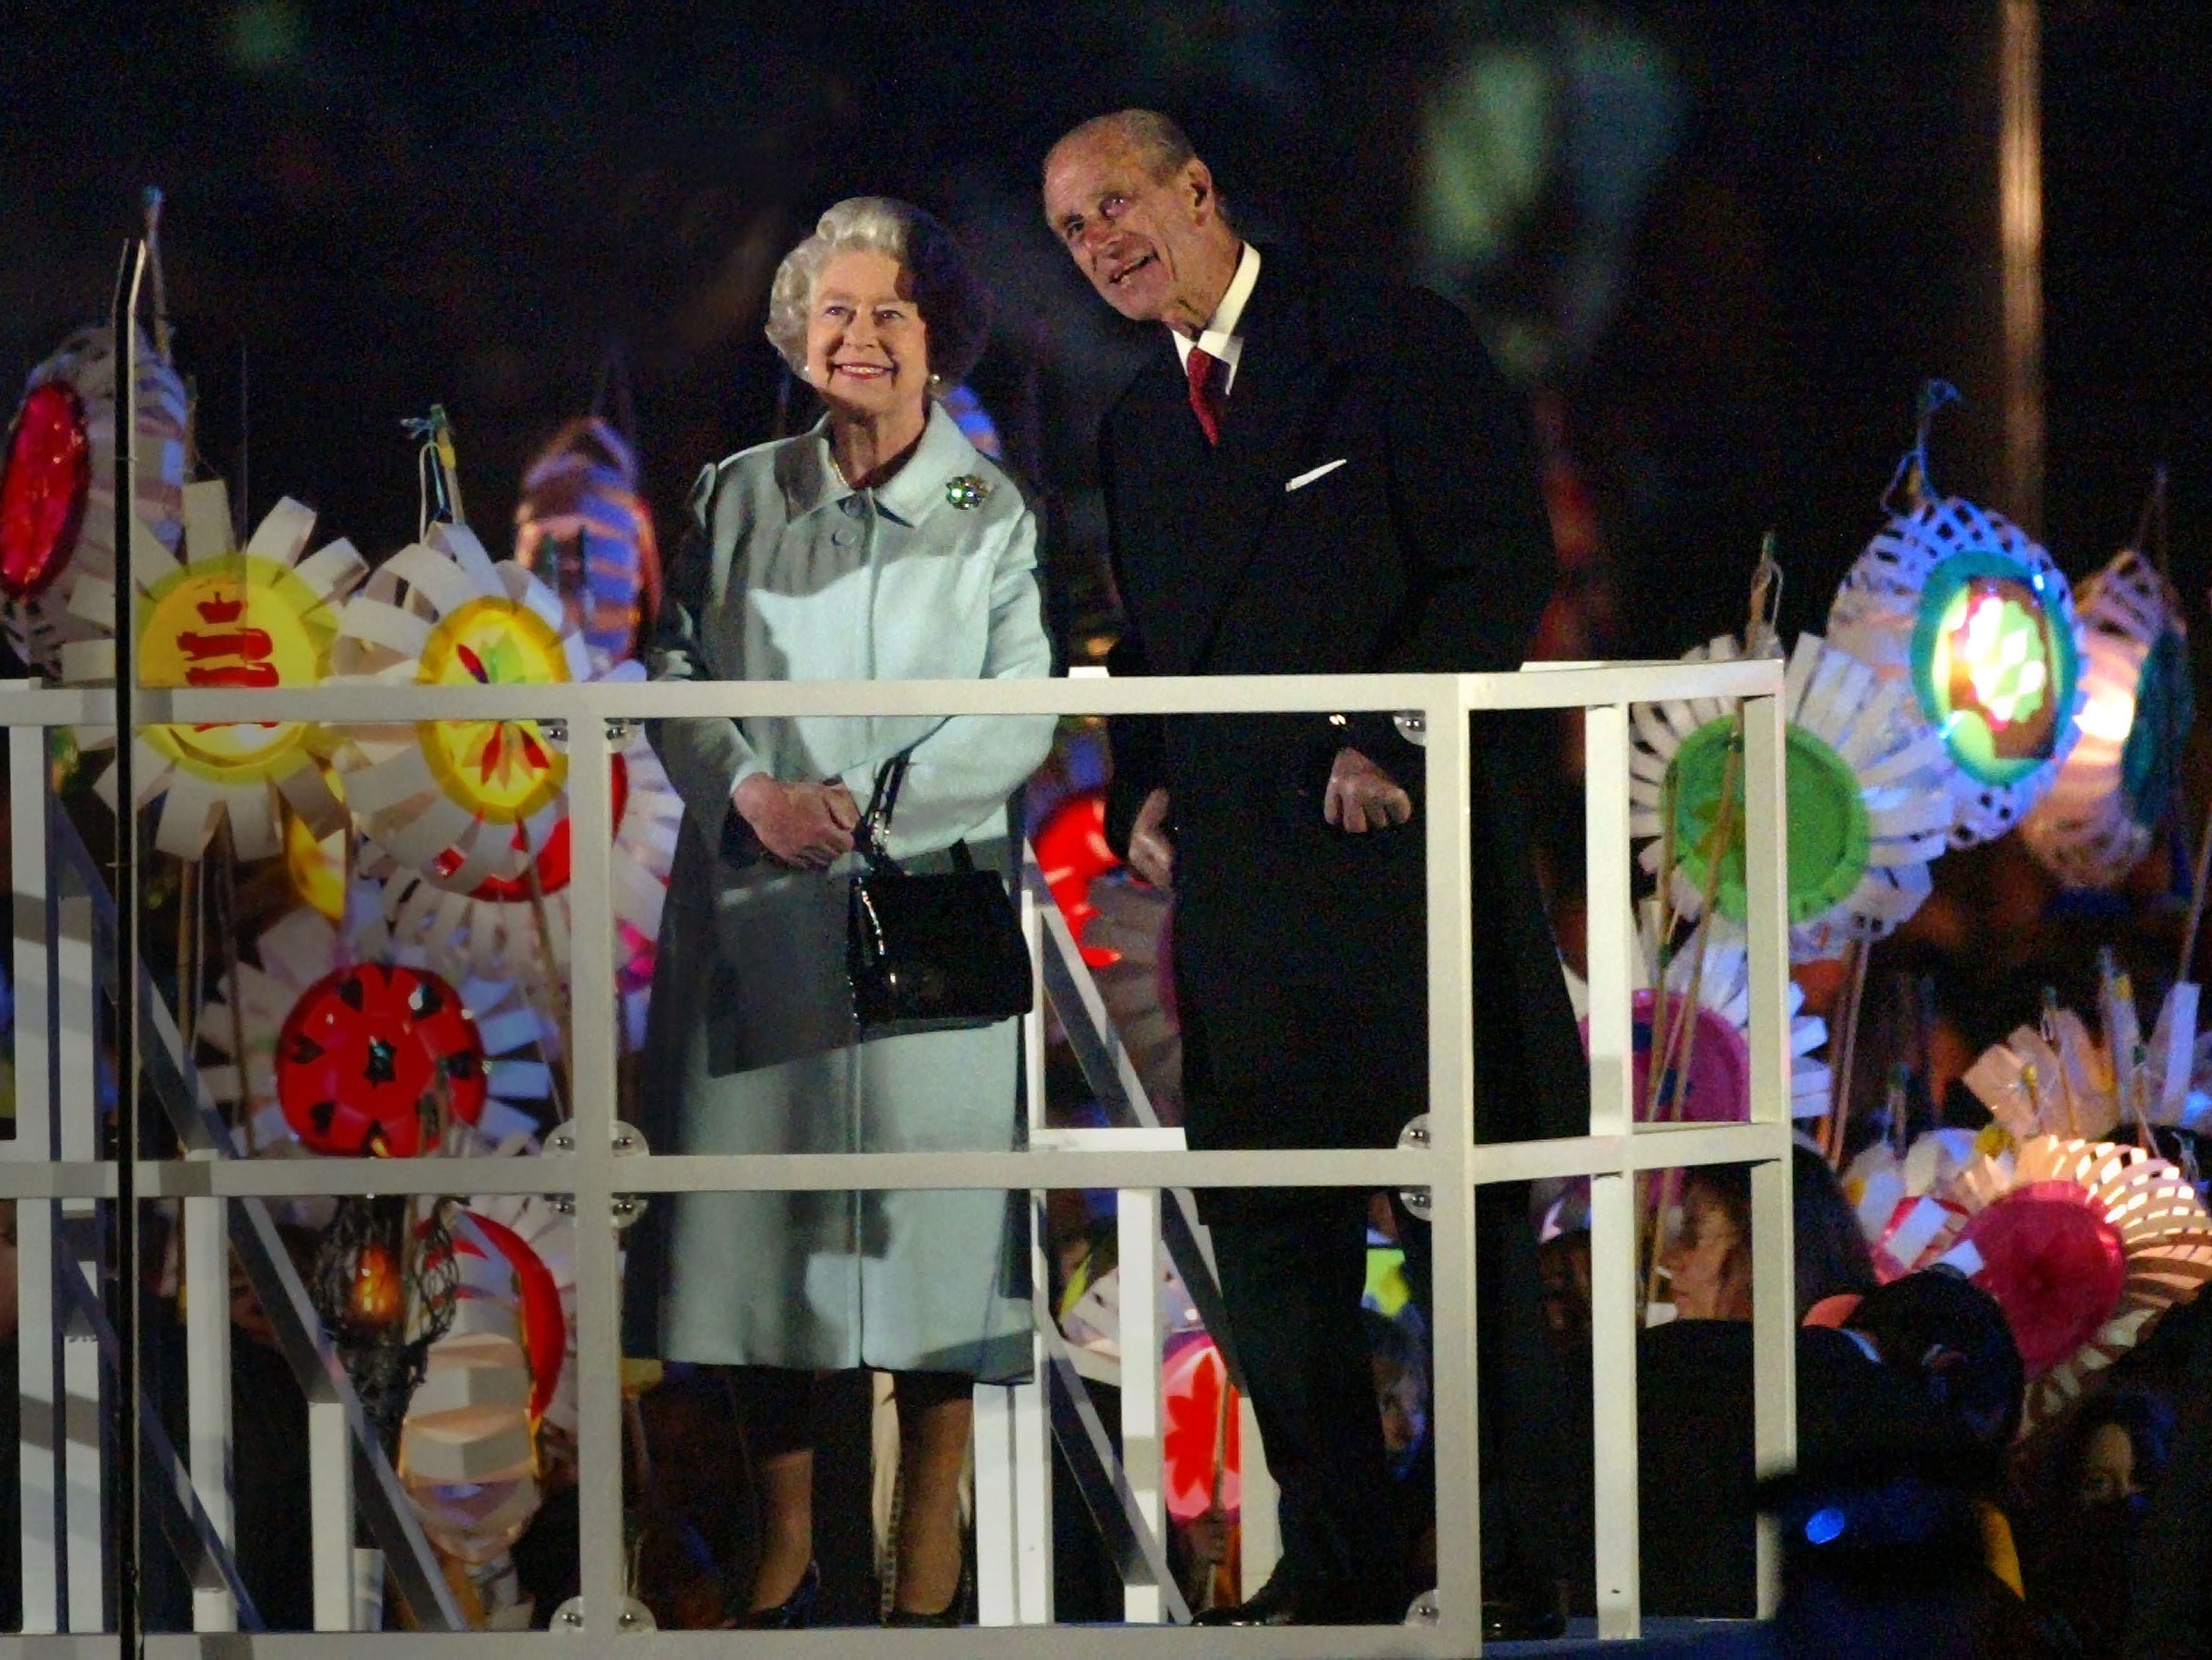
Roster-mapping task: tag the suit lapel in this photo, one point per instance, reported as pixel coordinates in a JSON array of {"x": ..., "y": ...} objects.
[{"x": 1283, "y": 383}]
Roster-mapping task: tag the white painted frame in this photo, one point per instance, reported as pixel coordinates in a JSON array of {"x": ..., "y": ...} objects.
[{"x": 1450, "y": 1166}]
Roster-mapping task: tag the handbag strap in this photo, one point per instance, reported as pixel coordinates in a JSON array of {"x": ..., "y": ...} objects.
[{"x": 875, "y": 822}]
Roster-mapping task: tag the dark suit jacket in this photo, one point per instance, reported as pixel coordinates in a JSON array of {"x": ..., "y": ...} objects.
[{"x": 1301, "y": 950}]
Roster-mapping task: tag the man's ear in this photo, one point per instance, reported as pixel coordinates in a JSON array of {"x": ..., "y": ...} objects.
[{"x": 1198, "y": 187}]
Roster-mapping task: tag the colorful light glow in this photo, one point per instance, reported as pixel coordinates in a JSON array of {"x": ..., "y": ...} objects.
[
  {"x": 1990, "y": 668},
  {"x": 47, "y": 481},
  {"x": 378, "y": 1297}
]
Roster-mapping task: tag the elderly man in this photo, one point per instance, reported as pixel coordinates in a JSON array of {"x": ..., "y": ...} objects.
[{"x": 1324, "y": 474}]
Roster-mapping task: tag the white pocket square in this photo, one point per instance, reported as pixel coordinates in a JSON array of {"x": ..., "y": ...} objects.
[{"x": 1304, "y": 479}]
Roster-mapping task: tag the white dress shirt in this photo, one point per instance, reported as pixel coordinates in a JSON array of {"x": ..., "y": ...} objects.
[{"x": 1219, "y": 338}]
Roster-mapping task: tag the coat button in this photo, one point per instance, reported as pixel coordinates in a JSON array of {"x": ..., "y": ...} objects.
[{"x": 844, "y": 538}]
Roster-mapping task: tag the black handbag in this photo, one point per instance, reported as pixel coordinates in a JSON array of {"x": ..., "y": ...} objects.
[{"x": 932, "y": 952}]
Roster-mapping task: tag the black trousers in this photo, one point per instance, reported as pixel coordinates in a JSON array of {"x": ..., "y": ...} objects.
[{"x": 1291, "y": 1283}]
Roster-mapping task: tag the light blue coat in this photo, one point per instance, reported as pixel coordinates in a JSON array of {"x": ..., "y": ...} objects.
[{"x": 795, "y": 576}]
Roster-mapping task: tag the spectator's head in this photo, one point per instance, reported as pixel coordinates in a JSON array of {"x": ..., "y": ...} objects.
[
  {"x": 1399, "y": 1359},
  {"x": 2118, "y": 1450},
  {"x": 1708, "y": 1260},
  {"x": 1950, "y": 1335}
]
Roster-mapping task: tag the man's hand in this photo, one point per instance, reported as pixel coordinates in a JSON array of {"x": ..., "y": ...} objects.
[
  {"x": 807, "y": 825},
  {"x": 1362, "y": 797},
  {"x": 1152, "y": 853}
]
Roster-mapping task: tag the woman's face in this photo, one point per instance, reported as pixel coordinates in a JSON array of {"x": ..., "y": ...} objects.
[
  {"x": 1709, "y": 1261},
  {"x": 867, "y": 347},
  {"x": 2107, "y": 1474}
]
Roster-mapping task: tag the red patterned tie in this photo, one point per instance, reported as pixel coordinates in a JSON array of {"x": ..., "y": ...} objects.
[{"x": 1205, "y": 393}]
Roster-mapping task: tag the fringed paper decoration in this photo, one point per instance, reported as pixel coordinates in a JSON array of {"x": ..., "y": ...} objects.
[
  {"x": 1893, "y": 1198},
  {"x": 1200, "y": 1454},
  {"x": 1718, "y": 1089},
  {"x": 1864, "y": 823},
  {"x": 1959, "y": 605},
  {"x": 449, "y": 796},
  {"x": 2055, "y": 1083},
  {"x": 2084, "y": 1245},
  {"x": 376, "y": 1059},
  {"x": 57, "y": 491},
  {"x": 491, "y": 930},
  {"x": 2116, "y": 786},
  {"x": 250, "y": 618},
  {"x": 583, "y": 529}
]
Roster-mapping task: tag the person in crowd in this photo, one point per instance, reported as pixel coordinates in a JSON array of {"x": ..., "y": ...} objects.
[
  {"x": 880, "y": 545},
  {"x": 2078, "y": 1549},
  {"x": 1708, "y": 1263},
  {"x": 1320, "y": 474},
  {"x": 2169, "y": 1615},
  {"x": 1694, "y": 1441}
]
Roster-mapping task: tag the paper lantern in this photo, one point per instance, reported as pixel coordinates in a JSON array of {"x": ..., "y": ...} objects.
[
  {"x": 1958, "y": 604},
  {"x": 582, "y": 528},
  {"x": 1072, "y": 852},
  {"x": 2083, "y": 1245},
  {"x": 2118, "y": 783},
  {"x": 451, "y": 795},
  {"x": 538, "y": 1294},
  {"x": 1719, "y": 1089},
  {"x": 1863, "y": 822},
  {"x": 226, "y": 618},
  {"x": 490, "y": 930},
  {"x": 57, "y": 491},
  {"x": 1201, "y": 1408},
  {"x": 301, "y": 952},
  {"x": 1893, "y": 1198}
]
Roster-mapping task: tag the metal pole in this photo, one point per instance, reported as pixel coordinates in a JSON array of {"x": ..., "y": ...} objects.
[{"x": 127, "y": 1613}]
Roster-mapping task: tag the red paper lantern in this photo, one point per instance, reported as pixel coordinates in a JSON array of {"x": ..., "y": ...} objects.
[
  {"x": 1199, "y": 1424},
  {"x": 545, "y": 1329},
  {"x": 2055, "y": 1266},
  {"x": 1071, "y": 850},
  {"x": 363, "y": 1055},
  {"x": 44, "y": 490},
  {"x": 554, "y": 865}
]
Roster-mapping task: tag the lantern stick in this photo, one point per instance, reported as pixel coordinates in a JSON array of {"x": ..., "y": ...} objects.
[
  {"x": 1853, "y": 997},
  {"x": 191, "y": 942},
  {"x": 2152, "y": 523},
  {"x": 1221, "y": 1436},
  {"x": 153, "y": 268}
]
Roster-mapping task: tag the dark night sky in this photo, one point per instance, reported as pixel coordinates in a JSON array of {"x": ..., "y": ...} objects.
[{"x": 382, "y": 208}]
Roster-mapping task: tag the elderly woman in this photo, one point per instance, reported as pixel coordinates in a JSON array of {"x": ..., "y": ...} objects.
[{"x": 880, "y": 545}]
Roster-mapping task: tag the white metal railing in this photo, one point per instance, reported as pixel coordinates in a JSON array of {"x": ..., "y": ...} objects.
[{"x": 53, "y": 1174}]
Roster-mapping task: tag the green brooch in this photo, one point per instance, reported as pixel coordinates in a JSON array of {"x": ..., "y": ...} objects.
[{"x": 966, "y": 491}]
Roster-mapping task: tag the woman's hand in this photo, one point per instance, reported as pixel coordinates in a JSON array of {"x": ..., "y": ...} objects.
[{"x": 808, "y": 825}]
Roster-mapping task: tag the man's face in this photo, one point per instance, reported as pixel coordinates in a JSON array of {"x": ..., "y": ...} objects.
[{"x": 1146, "y": 243}]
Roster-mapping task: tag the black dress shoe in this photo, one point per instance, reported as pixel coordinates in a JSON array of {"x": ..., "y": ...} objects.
[
  {"x": 794, "y": 1613},
  {"x": 1276, "y": 1603},
  {"x": 1282, "y": 1601},
  {"x": 945, "y": 1617}
]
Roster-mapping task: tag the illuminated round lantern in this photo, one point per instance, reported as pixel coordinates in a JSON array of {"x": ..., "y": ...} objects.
[
  {"x": 1864, "y": 823},
  {"x": 2115, "y": 787},
  {"x": 298, "y": 955},
  {"x": 1072, "y": 852},
  {"x": 57, "y": 491},
  {"x": 226, "y": 618},
  {"x": 370, "y": 1051},
  {"x": 1960, "y": 605},
  {"x": 1201, "y": 1408},
  {"x": 2083, "y": 1245},
  {"x": 582, "y": 528},
  {"x": 545, "y": 1327},
  {"x": 490, "y": 929},
  {"x": 450, "y": 795}
]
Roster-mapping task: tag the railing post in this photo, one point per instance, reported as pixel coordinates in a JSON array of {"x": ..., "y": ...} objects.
[
  {"x": 1137, "y": 1236},
  {"x": 84, "y": 1419},
  {"x": 1451, "y": 1122},
  {"x": 594, "y": 1012},
  {"x": 37, "y": 1385},
  {"x": 207, "y": 1359},
  {"x": 1773, "y": 1304},
  {"x": 1612, "y": 1192}
]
